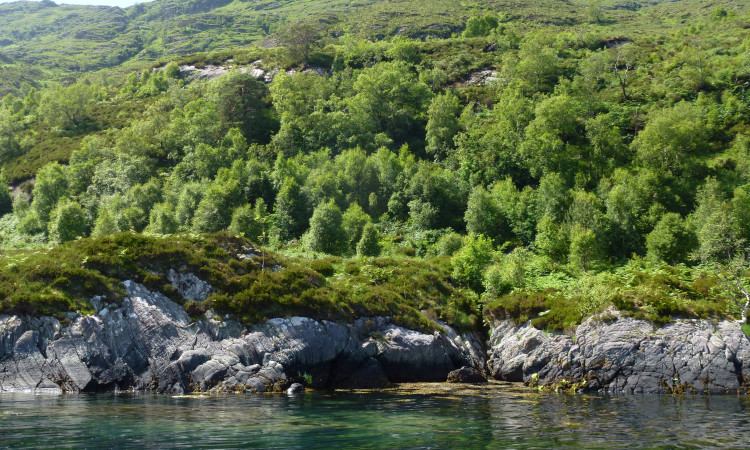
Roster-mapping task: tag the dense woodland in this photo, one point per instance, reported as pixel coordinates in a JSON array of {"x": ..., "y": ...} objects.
[{"x": 583, "y": 169}]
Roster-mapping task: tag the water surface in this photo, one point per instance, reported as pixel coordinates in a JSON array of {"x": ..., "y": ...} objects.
[{"x": 413, "y": 416}]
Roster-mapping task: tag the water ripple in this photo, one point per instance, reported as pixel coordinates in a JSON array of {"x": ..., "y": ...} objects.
[{"x": 438, "y": 417}]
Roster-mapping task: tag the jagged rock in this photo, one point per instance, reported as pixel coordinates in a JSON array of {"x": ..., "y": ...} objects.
[
  {"x": 257, "y": 73},
  {"x": 189, "y": 286},
  {"x": 317, "y": 71},
  {"x": 466, "y": 374},
  {"x": 613, "y": 353},
  {"x": 408, "y": 355},
  {"x": 209, "y": 72},
  {"x": 149, "y": 343}
]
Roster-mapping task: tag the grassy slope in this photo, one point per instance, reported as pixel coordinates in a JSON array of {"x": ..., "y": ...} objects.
[
  {"x": 411, "y": 290},
  {"x": 65, "y": 41},
  {"x": 54, "y": 281}
]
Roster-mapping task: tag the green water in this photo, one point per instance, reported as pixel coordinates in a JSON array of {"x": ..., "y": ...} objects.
[{"x": 416, "y": 416}]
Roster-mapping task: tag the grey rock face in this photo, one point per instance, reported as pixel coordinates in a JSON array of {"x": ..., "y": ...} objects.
[
  {"x": 189, "y": 286},
  {"x": 149, "y": 343},
  {"x": 618, "y": 354}
]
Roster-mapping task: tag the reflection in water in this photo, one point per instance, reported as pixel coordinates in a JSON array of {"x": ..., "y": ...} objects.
[{"x": 412, "y": 416}]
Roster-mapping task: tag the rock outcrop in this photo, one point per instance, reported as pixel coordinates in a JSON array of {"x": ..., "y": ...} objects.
[
  {"x": 618, "y": 354},
  {"x": 466, "y": 374},
  {"x": 149, "y": 343}
]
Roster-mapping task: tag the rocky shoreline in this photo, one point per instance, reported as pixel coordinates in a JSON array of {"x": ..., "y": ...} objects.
[
  {"x": 612, "y": 353},
  {"x": 149, "y": 343}
]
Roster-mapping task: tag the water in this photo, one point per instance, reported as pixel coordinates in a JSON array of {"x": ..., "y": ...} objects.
[{"x": 414, "y": 416}]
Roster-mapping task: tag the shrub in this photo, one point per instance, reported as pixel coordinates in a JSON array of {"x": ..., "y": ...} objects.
[
  {"x": 369, "y": 245},
  {"x": 326, "y": 233},
  {"x": 162, "y": 220},
  {"x": 244, "y": 222},
  {"x": 584, "y": 248},
  {"x": 354, "y": 222},
  {"x": 550, "y": 240},
  {"x": 449, "y": 244},
  {"x": 68, "y": 221},
  {"x": 323, "y": 267},
  {"x": 671, "y": 240},
  {"x": 469, "y": 262}
]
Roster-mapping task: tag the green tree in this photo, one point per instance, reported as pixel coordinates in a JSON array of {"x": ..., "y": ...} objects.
[
  {"x": 483, "y": 215},
  {"x": 551, "y": 240},
  {"x": 449, "y": 243},
  {"x": 190, "y": 197},
  {"x": 442, "y": 125},
  {"x": 501, "y": 278},
  {"x": 488, "y": 150},
  {"x": 585, "y": 248},
  {"x": 310, "y": 117},
  {"x": 741, "y": 211},
  {"x": 354, "y": 222},
  {"x": 715, "y": 226},
  {"x": 390, "y": 99},
  {"x": 9, "y": 126},
  {"x": 118, "y": 173},
  {"x": 470, "y": 262},
  {"x": 607, "y": 147},
  {"x": 556, "y": 138},
  {"x": 68, "y": 221},
  {"x": 300, "y": 37},
  {"x": 162, "y": 220},
  {"x": 172, "y": 70},
  {"x": 518, "y": 208},
  {"x": 83, "y": 163},
  {"x": 242, "y": 101},
  {"x": 632, "y": 210},
  {"x": 105, "y": 223},
  {"x": 539, "y": 66},
  {"x": 671, "y": 240},
  {"x": 51, "y": 185},
  {"x": 595, "y": 12},
  {"x": 586, "y": 211},
  {"x": 245, "y": 222},
  {"x": 69, "y": 107},
  {"x": 214, "y": 211},
  {"x": 553, "y": 197},
  {"x": 291, "y": 210},
  {"x": 672, "y": 138},
  {"x": 403, "y": 49},
  {"x": 369, "y": 244},
  {"x": 480, "y": 25},
  {"x": 326, "y": 233},
  {"x": 423, "y": 215}
]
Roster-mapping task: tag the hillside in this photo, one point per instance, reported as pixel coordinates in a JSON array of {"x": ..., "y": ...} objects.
[
  {"x": 541, "y": 161},
  {"x": 43, "y": 41}
]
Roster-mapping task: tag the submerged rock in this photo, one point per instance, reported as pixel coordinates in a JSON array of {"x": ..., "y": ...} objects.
[
  {"x": 613, "y": 353},
  {"x": 149, "y": 343}
]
